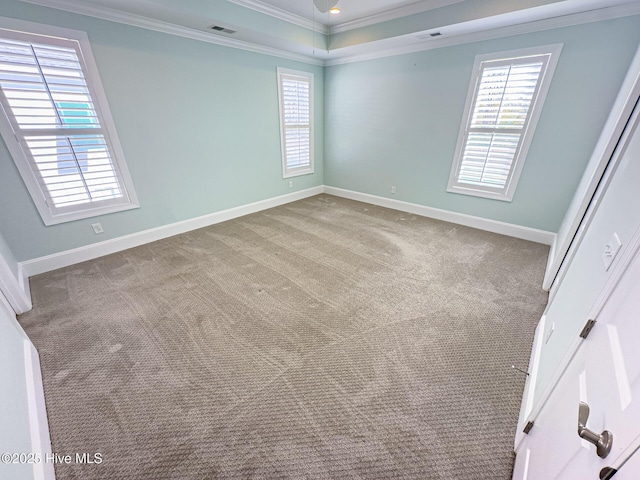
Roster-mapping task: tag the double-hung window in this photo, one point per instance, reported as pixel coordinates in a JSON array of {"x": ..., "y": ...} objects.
[
  {"x": 57, "y": 125},
  {"x": 295, "y": 95},
  {"x": 504, "y": 102}
]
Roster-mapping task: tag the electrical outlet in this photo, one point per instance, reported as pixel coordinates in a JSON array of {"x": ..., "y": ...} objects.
[
  {"x": 97, "y": 228},
  {"x": 290, "y": 183},
  {"x": 393, "y": 189},
  {"x": 611, "y": 249}
]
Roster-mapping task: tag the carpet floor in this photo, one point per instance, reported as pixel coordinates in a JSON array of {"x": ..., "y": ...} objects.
[{"x": 322, "y": 339}]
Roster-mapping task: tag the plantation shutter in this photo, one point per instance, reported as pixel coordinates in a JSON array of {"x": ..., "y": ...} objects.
[
  {"x": 45, "y": 95},
  {"x": 295, "y": 111},
  {"x": 500, "y": 113}
]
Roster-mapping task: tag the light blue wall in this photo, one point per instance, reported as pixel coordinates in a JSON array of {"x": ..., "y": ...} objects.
[
  {"x": 395, "y": 121},
  {"x": 199, "y": 127},
  {"x": 198, "y": 124},
  {"x": 245, "y": 20}
]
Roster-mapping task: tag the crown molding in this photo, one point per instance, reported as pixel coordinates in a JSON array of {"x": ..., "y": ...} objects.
[
  {"x": 421, "y": 41},
  {"x": 114, "y": 15},
  {"x": 457, "y": 34},
  {"x": 419, "y": 7},
  {"x": 283, "y": 15}
]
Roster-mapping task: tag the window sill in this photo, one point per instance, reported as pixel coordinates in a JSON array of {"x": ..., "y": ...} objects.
[
  {"x": 92, "y": 212},
  {"x": 474, "y": 192},
  {"x": 297, "y": 173}
]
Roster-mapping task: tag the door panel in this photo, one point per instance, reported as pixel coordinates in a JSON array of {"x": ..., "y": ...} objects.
[
  {"x": 630, "y": 470},
  {"x": 617, "y": 213},
  {"x": 605, "y": 374}
]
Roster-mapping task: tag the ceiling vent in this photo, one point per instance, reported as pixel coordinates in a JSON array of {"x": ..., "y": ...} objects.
[
  {"x": 218, "y": 28},
  {"x": 426, "y": 35}
]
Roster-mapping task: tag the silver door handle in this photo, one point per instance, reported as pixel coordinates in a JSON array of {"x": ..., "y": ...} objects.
[{"x": 602, "y": 441}]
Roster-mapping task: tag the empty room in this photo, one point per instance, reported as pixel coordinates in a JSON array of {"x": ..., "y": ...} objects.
[{"x": 372, "y": 239}]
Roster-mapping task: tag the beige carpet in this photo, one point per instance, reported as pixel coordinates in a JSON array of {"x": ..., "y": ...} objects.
[{"x": 321, "y": 339}]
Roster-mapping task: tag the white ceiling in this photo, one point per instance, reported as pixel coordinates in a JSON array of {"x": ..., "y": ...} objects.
[
  {"x": 253, "y": 32},
  {"x": 351, "y": 10}
]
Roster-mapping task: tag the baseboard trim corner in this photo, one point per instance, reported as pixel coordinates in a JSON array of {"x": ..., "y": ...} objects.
[
  {"x": 16, "y": 290},
  {"x": 66, "y": 258},
  {"x": 495, "y": 226}
]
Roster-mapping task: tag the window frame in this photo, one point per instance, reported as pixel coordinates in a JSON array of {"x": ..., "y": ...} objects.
[
  {"x": 53, "y": 35},
  {"x": 507, "y": 192},
  {"x": 305, "y": 169}
]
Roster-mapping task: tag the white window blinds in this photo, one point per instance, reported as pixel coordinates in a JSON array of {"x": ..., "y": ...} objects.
[
  {"x": 506, "y": 94},
  {"x": 51, "y": 110},
  {"x": 296, "y": 116}
]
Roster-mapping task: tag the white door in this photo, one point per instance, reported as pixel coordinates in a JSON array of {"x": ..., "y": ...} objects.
[
  {"x": 629, "y": 471},
  {"x": 605, "y": 374}
]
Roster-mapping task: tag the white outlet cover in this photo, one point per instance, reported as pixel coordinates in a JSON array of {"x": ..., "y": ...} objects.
[
  {"x": 551, "y": 330},
  {"x": 97, "y": 228},
  {"x": 610, "y": 251}
]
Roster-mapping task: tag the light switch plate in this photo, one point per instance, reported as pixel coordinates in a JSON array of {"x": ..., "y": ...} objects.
[{"x": 611, "y": 249}]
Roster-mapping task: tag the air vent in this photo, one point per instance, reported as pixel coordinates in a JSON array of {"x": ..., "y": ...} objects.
[
  {"x": 218, "y": 28},
  {"x": 427, "y": 35}
]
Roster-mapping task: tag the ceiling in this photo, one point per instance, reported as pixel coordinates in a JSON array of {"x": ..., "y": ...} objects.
[
  {"x": 351, "y": 10},
  {"x": 364, "y": 29}
]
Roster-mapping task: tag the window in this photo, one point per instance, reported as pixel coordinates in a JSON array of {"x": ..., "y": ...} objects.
[
  {"x": 57, "y": 125},
  {"x": 504, "y": 103},
  {"x": 295, "y": 95}
]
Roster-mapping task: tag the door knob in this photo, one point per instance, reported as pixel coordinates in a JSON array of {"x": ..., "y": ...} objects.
[{"x": 602, "y": 441}]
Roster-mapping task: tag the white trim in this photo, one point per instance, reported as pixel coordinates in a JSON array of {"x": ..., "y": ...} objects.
[
  {"x": 374, "y": 19},
  {"x": 570, "y": 232},
  {"x": 79, "y": 41},
  {"x": 407, "y": 10},
  {"x": 54, "y": 261},
  {"x": 89, "y": 252},
  {"x": 528, "y": 130},
  {"x": 626, "y": 257},
  {"x": 304, "y": 169},
  {"x": 528, "y": 395},
  {"x": 627, "y": 453},
  {"x": 38, "y": 425},
  {"x": 601, "y": 187},
  {"x": 283, "y": 15},
  {"x": 509, "y": 229},
  {"x": 470, "y": 32},
  {"x": 4, "y": 305},
  {"x": 114, "y": 15},
  {"x": 15, "y": 290},
  {"x": 467, "y": 32},
  {"x": 550, "y": 259}
]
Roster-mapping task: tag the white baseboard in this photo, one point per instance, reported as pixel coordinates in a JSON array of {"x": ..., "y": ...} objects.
[
  {"x": 95, "y": 250},
  {"x": 47, "y": 263},
  {"x": 38, "y": 424},
  {"x": 528, "y": 395},
  {"x": 509, "y": 229},
  {"x": 15, "y": 290},
  {"x": 550, "y": 272}
]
